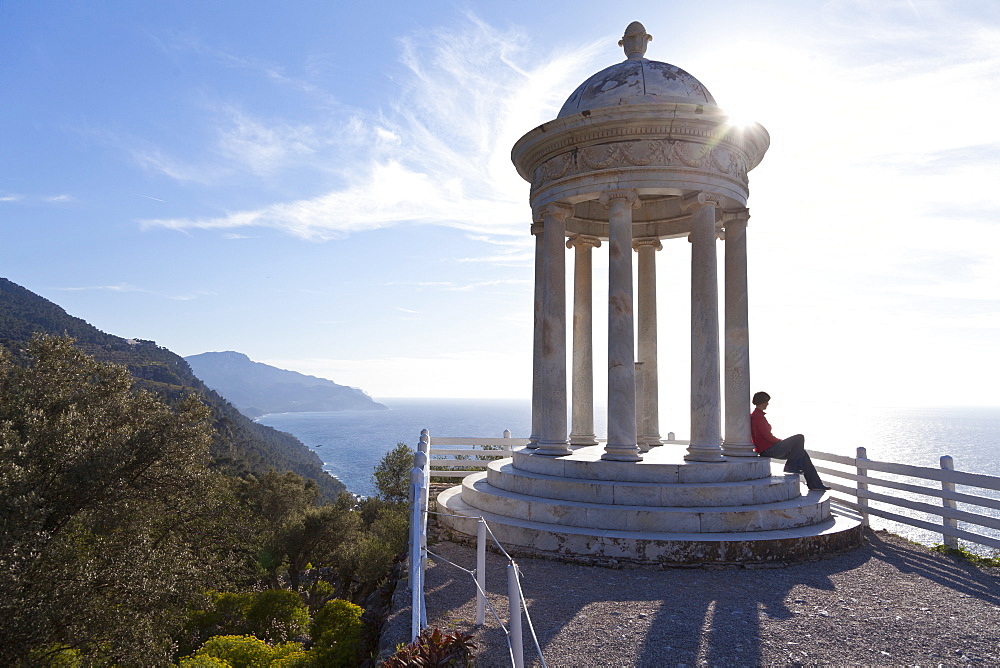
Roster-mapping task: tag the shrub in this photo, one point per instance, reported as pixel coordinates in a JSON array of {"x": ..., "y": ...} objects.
[
  {"x": 336, "y": 634},
  {"x": 235, "y": 651},
  {"x": 203, "y": 662},
  {"x": 318, "y": 594},
  {"x": 231, "y": 611},
  {"x": 246, "y": 652},
  {"x": 277, "y": 615},
  {"x": 434, "y": 648},
  {"x": 224, "y": 614}
]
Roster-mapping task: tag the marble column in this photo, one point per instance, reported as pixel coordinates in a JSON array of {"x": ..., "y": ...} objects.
[
  {"x": 640, "y": 384},
  {"x": 622, "y": 442},
  {"x": 706, "y": 399},
  {"x": 649, "y": 399},
  {"x": 553, "y": 437},
  {"x": 737, "y": 338},
  {"x": 536, "y": 348},
  {"x": 582, "y": 432}
]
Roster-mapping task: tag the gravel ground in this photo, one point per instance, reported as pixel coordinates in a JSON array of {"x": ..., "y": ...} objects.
[{"x": 891, "y": 602}]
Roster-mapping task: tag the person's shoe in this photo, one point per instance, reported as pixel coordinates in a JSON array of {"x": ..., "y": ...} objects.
[
  {"x": 799, "y": 471},
  {"x": 819, "y": 489}
]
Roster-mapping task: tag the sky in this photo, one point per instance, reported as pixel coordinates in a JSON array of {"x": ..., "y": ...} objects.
[{"x": 327, "y": 186}]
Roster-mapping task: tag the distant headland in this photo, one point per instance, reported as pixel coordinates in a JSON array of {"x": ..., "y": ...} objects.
[{"x": 257, "y": 389}]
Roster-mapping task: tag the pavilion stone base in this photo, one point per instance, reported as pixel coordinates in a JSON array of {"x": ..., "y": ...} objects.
[{"x": 659, "y": 510}]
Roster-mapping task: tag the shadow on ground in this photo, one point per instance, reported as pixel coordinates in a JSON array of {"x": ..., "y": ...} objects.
[{"x": 829, "y": 610}]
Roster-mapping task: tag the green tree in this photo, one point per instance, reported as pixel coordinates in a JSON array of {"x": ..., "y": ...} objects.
[
  {"x": 392, "y": 474},
  {"x": 110, "y": 524},
  {"x": 294, "y": 531}
]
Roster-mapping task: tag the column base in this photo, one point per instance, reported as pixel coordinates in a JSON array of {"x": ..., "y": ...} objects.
[
  {"x": 552, "y": 448},
  {"x": 738, "y": 450},
  {"x": 652, "y": 440},
  {"x": 704, "y": 453},
  {"x": 582, "y": 440},
  {"x": 532, "y": 442},
  {"x": 621, "y": 453}
]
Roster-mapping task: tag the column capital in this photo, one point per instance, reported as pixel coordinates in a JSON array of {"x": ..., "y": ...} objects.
[
  {"x": 583, "y": 241},
  {"x": 741, "y": 214},
  {"x": 699, "y": 199},
  {"x": 556, "y": 210},
  {"x": 536, "y": 228},
  {"x": 647, "y": 241},
  {"x": 628, "y": 194}
]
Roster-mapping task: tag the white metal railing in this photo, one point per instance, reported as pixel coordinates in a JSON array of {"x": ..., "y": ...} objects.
[
  {"x": 418, "y": 553},
  {"x": 860, "y": 470},
  {"x": 471, "y": 455}
]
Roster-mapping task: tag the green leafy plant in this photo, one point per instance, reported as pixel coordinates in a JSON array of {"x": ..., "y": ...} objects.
[
  {"x": 277, "y": 615},
  {"x": 434, "y": 648},
  {"x": 336, "y": 634},
  {"x": 977, "y": 559},
  {"x": 246, "y": 652}
]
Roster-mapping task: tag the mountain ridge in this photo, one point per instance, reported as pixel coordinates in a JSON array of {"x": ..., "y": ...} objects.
[
  {"x": 256, "y": 389},
  {"x": 239, "y": 445}
]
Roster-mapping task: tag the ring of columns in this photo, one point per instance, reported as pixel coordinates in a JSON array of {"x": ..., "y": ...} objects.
[
  {"x": 631, "y": 176},
  {"x": 639, "y": 156}
]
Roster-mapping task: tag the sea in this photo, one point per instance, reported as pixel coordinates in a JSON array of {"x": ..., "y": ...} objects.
[{"x": 351, "y": 443}]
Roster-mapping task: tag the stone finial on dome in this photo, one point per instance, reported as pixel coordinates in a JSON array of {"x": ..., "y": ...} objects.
[{"x": 635, "y": 40}]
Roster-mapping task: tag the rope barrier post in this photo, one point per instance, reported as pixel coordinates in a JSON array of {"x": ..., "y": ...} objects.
[
  {"x": 948, "y": 464},
  {"x": 416, "y": 583},
  {"x": 481, "y": 572},
  {"x": 862, "y": 487},
  {"x": 514, "y": 602},
  {"x": 421, "y": 461}
]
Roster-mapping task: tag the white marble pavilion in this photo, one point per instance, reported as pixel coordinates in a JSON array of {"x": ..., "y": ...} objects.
[{"x": 639, "y": 155}]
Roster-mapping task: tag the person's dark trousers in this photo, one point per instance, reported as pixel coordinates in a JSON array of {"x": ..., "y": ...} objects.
[{"x": 797, "y": 460}]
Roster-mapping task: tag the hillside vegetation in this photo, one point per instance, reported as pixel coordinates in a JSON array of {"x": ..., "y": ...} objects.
[
  {"x": 239, "y": 446},
  {"x": 146, "y": 522}
]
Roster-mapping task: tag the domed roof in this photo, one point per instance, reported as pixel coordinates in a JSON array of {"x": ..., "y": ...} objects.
[{"x": 637, "y": 80}]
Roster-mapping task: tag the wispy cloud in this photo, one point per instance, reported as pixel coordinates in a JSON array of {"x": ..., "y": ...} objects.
[
  {"x": 451, "y": 286},
  {"x": 440, "y": 155},
  {"x": 10, "y": 198},
  {"x": 241, "y": 144},
  {"x": 60, "y": 198},
  {"x": 126, "y": 288}
]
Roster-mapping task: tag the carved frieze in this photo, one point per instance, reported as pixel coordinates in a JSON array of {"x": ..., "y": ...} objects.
[{"x": 643, "y": 153}]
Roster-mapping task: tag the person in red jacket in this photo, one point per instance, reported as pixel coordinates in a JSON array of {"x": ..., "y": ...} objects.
[{"x": 791, "y": 449}]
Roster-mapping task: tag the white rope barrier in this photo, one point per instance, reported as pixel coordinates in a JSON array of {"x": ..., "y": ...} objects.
[{"x": 420, "y": 500}]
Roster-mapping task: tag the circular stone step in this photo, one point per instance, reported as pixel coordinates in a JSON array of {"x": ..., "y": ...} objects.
[
  {"x": 835, "y": 534},
  {"x": 799, "y": 511},
  {"x": 503, "y": 475},
  {"x": 664, "y": 464}
]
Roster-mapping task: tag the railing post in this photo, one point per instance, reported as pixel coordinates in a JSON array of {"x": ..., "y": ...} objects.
[
  {"x": 424, "y": 446},
  {"x": 481, "y": 572},
  {"x": 514, "y": 607},
  {"x": 948, "y": 464},
  {"x": 862, "y": 487},
  {"x": 416, "y": 526},
  {"x": 506, "y": 434}
]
